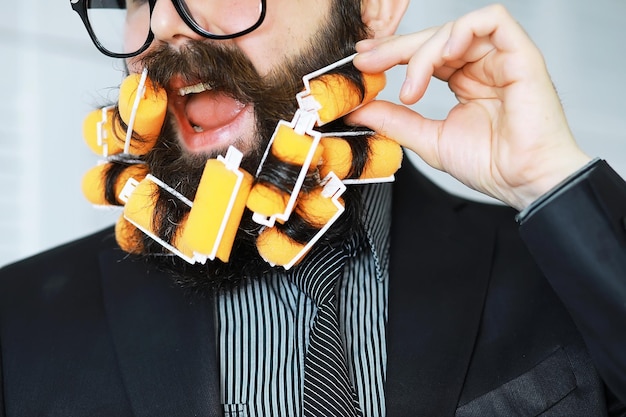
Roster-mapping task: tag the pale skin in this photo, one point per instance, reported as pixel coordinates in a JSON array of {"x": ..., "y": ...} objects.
[{"x": 508, "y": 136}]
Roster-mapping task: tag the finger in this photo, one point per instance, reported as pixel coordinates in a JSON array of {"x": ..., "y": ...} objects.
[
  {"x": 403, "y": 125},
  {"x": 420, "y": 50},
  {"x": 495, "y": 25},
  {"x": 471, "y": 45},
  {"x": 377, "y": 55},
  {"x": 369, "y": 44},
  {"x": 480, "y": 23},
  {"x": 424, "y": 63},
  {"x": 423, "y": 52}
]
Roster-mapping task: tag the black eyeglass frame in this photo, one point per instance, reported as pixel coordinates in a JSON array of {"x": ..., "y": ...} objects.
[{"x": 80, "y": 7}]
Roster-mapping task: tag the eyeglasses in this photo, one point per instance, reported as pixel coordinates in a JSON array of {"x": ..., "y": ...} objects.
[{"x": 121, "y": 28}]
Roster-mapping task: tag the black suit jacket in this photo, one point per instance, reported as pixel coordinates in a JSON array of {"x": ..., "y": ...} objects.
[{"x": 474, "y": 327}]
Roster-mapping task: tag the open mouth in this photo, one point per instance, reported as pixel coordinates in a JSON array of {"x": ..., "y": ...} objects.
[{"x": 207, "y": 119}]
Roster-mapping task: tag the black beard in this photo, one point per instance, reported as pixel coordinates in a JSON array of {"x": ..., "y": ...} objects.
[{"x": 273, "y": 98}]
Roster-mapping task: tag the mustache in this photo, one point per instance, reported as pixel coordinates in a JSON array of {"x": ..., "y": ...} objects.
[{"x": 225, "y": 68}]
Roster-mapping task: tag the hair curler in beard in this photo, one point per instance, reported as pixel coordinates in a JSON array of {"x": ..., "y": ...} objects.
[
  {"x": 384, "y": 157},
  {"x": 139, "y": 208},
  {"x": 277, "y": 248},
  {"x": 208, "y": 227},
  {"x": 290, "y": 147},
  {"x": 325, "y": 98},
  {"x": 331, "y": 96},
  {"x": 142, "y": 107},
  {"x": 94, "y": 184},
  {"x": 217, "y": 208},
  {"x": 128, "y": 237},
  {"x": 110, "y": 183},
  {"x": 337, "y": 96},
  {"x": 100, "y": 133},
  {"x": 319, "y": 208},
  {"x": 337, "y": 157},
  {"x": 140, "y": 211}
]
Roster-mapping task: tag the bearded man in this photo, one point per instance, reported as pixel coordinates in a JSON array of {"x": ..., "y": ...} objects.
[{"x": 413, "y": 302}]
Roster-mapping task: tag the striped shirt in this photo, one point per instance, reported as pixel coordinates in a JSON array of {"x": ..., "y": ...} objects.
[{"x": 264, "y": 325}]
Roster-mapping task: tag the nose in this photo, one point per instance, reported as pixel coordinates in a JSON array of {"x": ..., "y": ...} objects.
[{"x": 168, "y": 26}]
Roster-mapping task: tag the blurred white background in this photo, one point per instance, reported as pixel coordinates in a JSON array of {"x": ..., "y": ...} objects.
[{"x": 51, "y": 76}]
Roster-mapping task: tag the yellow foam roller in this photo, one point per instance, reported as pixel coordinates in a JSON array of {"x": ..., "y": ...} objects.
[
  {"x": 150, "y": 113},
  {"x": 338, "y": 95},
  {"x": 110, "y": 137},
  {"x": 336, "y": 157},
  {"x": 276, "y": 247},
  {"x": 210, "y": 208},
  {"x": 177, "y": 240},
  {"x": 267, "y": 200},
  {"x": 291, "y": 147},
  {"x": 140, "y": 205},
  {"x": 93, "y": 184},
  {"x": 385, "y": 158},
  {"x": 316, "y": 209},
  {"x": 94, "y": 181},
  {"x": 128, "y": 237}
]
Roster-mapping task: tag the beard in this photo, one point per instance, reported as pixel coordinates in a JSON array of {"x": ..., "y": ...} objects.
[{"x": 273, "y": 99}]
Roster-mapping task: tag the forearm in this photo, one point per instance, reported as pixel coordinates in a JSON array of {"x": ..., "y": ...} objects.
[{"x": 577, "y": 234}]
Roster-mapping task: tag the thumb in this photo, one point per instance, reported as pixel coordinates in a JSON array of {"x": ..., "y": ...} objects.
[{"x": 405, "y": 126}]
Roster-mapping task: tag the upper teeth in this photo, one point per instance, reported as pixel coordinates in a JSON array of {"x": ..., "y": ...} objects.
[{"x": 192, "y": 89}]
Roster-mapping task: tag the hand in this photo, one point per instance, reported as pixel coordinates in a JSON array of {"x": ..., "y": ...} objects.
[{"x": 508, "y": 136}]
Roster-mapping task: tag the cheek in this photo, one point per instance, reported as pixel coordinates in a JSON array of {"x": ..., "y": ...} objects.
[
  {"x": 133, "y": 41},
  {"x": 263, "y": 57},
  {"x": 280, "y": 37},
  {"x": 267, "y": 47}
]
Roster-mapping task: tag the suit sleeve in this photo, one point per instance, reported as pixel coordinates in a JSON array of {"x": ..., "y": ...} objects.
[
  {"x": 2, "y": 412},
  {"x": 577, "y": 234}
]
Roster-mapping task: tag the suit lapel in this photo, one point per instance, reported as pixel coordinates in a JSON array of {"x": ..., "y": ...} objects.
[
  {"x": 439, "y": 273},
  {"x": 165, "y": 342}
]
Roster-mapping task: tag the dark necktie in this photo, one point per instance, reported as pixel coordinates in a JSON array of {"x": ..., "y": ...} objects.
[{"x": 327, "y": 390}]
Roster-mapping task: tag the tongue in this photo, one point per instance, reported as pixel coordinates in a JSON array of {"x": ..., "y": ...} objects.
[{"x": 212, "y": 110}]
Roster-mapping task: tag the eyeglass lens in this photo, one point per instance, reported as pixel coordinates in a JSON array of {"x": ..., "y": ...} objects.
[
  {"x": 123, "y": 26},
  {"x": 119, "y": 26}
]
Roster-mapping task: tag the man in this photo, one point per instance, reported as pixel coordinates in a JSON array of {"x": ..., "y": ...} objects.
[{"x": 442, "y": 310}]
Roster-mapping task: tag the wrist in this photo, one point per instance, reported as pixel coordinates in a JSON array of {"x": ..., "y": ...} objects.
[
  {"x": 551, "y": 177},
  {"x": 564, "y": 185},
  {"x": 555, "y": 190}
]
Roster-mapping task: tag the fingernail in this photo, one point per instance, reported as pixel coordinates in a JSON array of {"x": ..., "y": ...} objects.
[
  {"x": 407, "y": 88},
  {"x": 364, "y": 53}
]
